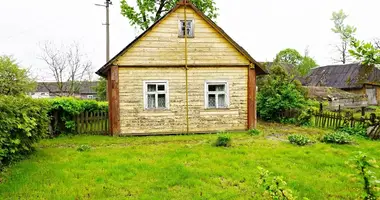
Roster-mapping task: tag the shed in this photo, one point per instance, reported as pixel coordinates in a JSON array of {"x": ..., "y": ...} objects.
[{"x": 354, "y": 78}]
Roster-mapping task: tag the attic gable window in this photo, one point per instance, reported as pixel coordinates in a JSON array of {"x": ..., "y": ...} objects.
[
  {"x": 156, "y": 95},
  {"x": 189, "y": 28},
  {"x": 216, "y": 94}
]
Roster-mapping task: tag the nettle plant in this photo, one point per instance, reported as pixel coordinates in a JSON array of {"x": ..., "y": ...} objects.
[
  {"x": 363, "y": 165},
  {"x": 253, "y": 132}
]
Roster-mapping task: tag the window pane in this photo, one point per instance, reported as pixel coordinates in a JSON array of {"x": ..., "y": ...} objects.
[
  {"x": 211, "y": 88},
  {"x": 220, "y": 87},
  {"x": 151, "y": 87},
  {"x": 161, "y": 101},
  {"x": 221, "y": 100},
  {"x": 161, "y": 87},
  {"x": 151, "y": 101},
  {"x": 211, "y": 101}
]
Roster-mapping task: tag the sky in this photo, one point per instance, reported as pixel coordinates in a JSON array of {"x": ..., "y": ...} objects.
[{"x": 262, "y": 27}]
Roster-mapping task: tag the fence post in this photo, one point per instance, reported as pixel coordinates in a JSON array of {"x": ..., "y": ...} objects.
[{"x": 320, "y": 107}]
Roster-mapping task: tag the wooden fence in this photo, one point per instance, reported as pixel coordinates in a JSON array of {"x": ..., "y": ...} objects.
[
  {"x": 336, "y": 120},
  {"x": 94, "y": 123}
]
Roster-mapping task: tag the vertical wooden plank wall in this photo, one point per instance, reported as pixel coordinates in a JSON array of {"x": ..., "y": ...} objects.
[
  {"x": 114, "y": 100},
  {"x": 251, "y": 97}
]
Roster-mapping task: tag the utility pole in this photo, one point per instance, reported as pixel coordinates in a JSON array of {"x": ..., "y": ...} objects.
[{"x": 107, "y": 24}]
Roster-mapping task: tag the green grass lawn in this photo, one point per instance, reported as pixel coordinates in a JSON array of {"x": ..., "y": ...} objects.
[{"x": 184, "y": 167}]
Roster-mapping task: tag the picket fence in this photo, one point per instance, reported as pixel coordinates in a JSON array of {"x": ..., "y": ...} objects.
[
  {"x": 93, "y": 123},
  {"x": 336, "y": 120}
]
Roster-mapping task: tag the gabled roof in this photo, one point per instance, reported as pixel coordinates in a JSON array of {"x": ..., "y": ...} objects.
[
  {"x": 259, "y": 69},
  {"x": 349, "y": 76}
]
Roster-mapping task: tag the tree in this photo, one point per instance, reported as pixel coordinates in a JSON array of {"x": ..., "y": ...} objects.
[
  {"x": 279, "y": 92},
  {"x": 101, "y": 89},
  {"x": 289, "y": 56},
  {"x": 365, "y": 52},
  {"x": 149, "y": 11},
  {"x": 67, "y": 65},
  {"x": 14, "y": 80},
  {"x": 301, "y": 64},
  {"x": 346, "y": 32}
]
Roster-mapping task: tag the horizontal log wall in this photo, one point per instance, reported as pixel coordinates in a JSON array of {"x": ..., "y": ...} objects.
[{"x": 135, "y": 120}]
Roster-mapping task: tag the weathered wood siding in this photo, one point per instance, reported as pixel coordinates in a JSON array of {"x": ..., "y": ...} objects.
[
  {"x": 135, "y": 120},
  {"x": 162, "y": 46}
]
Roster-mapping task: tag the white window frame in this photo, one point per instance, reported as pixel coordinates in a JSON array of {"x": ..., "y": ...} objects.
[
  {"x": 180, "y": 28},
  {"x": 227, "y": 94},
  {"x": 166, "y": 92}
]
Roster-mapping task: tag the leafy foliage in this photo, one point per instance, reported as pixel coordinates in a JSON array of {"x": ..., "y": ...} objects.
[
  {"x": 13, "y": 79},
  {"x": 275, "y": 186},
  {"x": 149, "y": 11},
  {"x": 279, "y": 92},
  {"x": 301, "y": 64},
  {"x": 362, "y": 164},
  {"x": 299, "y": 140},
  {"x": 23, "y": 121},
  {"x": 101, "y": 89},
  {"x": 64, "y": 109},
  {"x": 290, "y": 56},
  {"x": 223, "y": 140},
  {"x": 346, "y": 32},
  {"x": 358, "y": 130},
  {"x": 337, "y": 138},
  {"x": 365, "y": 52},
  {"x": 253, "y": 132}
]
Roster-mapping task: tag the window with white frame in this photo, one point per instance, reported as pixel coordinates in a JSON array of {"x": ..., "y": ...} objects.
[
  {"x": 189, "y": 28},
  {"x": 216, "y": 94},
  {"x": 156, "y": 95}
]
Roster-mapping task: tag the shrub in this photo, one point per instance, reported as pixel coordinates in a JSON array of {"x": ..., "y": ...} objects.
[
  {"x": 84, "y": 147},
  {"x": 23, "y": 121},
  {"x": 279, "y": 92},
  {"x": 253, "y": 132},
  {"x": 224, "y": 140},
  {"x": 356, "y": 130},
  {"x": 299, "y": 140},
  {"x": 64, "y": 109},
  {"x": 338, "y": 138}
]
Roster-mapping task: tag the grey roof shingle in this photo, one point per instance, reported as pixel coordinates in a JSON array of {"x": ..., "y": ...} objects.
[{"x": 347, "y": 76}]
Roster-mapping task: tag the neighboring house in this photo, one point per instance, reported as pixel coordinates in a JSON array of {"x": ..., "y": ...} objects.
[
  {"x": 354, "y": 78},
  {"x": 337, "y": 97},
  {"x": 184, "y": 74},
  {"x": 85, "y": 90}
]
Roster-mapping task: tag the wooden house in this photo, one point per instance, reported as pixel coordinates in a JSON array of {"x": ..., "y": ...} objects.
[
  {"x": 354, "y": 78},
  {"x": 184, "y": 74}
]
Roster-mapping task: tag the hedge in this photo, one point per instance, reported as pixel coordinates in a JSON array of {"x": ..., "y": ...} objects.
[
  {"x": 64, "y": 109},
  {"x": 23, "y": 121}
]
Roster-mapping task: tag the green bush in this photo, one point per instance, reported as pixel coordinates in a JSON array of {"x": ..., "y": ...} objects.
[
  {"x": 253, "y": 132},
  {"x": 279, "y": 92},
  {"x": 64, "y": 109},
  {"x": 337, "y": 138},
  {"x": 299, "y": 140},
  {"x": 224, "y": 140},
  {"x": 358, "y": 130},
  {"x": 23, "y": 121}
]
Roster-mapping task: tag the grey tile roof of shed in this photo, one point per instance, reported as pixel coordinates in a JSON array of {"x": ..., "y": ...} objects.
[{"x": 349, "y": 76}]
